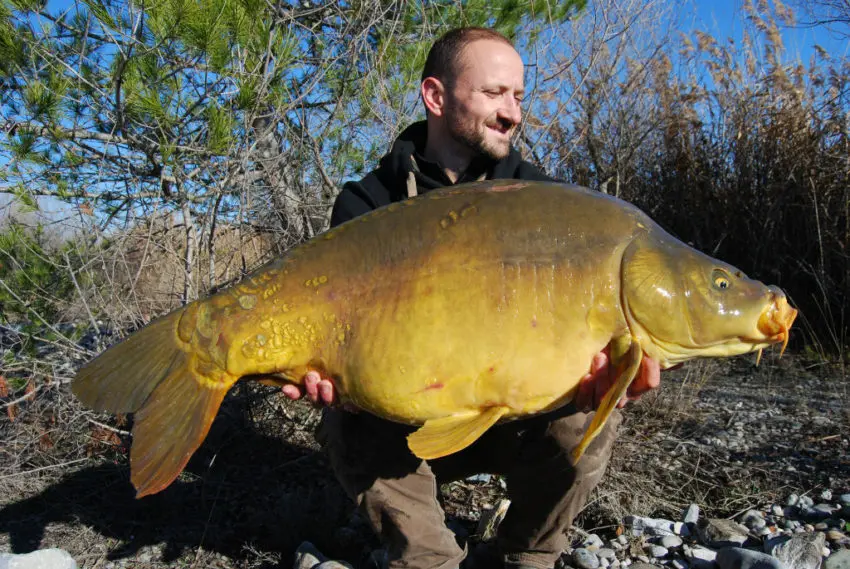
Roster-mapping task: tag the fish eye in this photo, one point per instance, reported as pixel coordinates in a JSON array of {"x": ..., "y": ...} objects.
[{"x": 720, "y": 280}]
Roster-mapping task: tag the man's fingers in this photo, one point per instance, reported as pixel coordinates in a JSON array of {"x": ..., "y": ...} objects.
[
  {"x": 311, "y": 385},
  {"x": 592, "y": 384},
  {"x": 652, "y": 372},
  {"x": 326, "y": 391},
  {"x": 598, "y": 363},
  {"x": 292, "y": 391},
  {"x": 648, "y": 378}
]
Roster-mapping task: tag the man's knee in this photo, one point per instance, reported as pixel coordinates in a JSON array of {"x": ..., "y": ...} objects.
[
  {"x": 567, "y": 432},
  {"x": 363, "y": 448}
]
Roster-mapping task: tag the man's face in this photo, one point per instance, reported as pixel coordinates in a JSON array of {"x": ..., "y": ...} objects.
[{"x": 482, "y": 107}]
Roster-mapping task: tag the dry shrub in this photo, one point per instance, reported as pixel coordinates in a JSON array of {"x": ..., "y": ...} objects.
[{"x": 151, "y": 266}]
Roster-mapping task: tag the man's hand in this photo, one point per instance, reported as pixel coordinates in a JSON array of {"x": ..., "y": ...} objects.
[
  {"x": 318, "y": 390},
  {"x": 602, "y": 377}
]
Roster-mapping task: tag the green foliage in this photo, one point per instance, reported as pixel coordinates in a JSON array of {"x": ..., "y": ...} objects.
[
  {"x": 25, "y": 201},
  {"x": 220, "y": 129},
  {"x": 28, "y": 5},
  {"x": 33, "y": 277},
  {"x": 100, "y": 11},
  {"x": 23, "y": 148}
]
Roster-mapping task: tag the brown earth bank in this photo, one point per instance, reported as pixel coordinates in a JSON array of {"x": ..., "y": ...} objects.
[{"x": 725, "y": 435}]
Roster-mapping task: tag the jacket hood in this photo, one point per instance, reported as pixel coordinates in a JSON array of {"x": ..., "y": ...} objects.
[{"x": 399, "y": 162}]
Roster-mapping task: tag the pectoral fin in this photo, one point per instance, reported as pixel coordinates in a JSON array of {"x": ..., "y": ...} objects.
[
  {"x": 626, "y": 357},
  {"x": 446, "y": 435}
]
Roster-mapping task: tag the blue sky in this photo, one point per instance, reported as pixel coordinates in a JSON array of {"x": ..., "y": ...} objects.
[{"x": 725, "y": 18}]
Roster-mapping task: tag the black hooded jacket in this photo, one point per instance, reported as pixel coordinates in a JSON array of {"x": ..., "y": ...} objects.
[{"x": 405, "y": 165}]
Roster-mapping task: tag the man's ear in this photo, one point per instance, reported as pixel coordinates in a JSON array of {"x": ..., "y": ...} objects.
[{"x": 434, "y": 95}]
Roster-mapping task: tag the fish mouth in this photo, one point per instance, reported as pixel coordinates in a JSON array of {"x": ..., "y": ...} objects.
[{"x": 776, "y": 320}]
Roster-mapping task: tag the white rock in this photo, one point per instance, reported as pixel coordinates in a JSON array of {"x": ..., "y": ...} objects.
[
  {"x": 41, "y": 559},
  {"x": 640, "y": 525},
  {"x": 801, "y": 552},
  {"x": 701, "y": 554},
  {"x": 670, "y": 541},
  {"x": 592, "y": 542},
  {"x": 691, "y": 515},
  {"x": 606, "y": 553}
]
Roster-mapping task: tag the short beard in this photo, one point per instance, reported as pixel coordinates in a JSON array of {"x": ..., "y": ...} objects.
[{"x": 467, "y": 135}]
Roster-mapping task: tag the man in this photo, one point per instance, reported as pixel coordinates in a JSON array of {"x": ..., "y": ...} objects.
[{"x": 472, "y": 87}]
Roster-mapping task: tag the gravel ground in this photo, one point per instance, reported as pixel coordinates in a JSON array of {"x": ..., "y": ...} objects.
[{"x": 726, "y": 436}]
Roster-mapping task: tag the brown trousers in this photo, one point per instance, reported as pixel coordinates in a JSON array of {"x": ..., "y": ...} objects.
[{"x": 398, "y": 492}]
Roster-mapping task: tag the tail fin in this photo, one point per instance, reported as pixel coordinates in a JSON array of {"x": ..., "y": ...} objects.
[
  {"x": 120, "y": 379},
  {"x": 149, "y": 374}
]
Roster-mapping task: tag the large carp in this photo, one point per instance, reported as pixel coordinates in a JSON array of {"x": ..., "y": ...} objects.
[{"x": 454, "y": 310}]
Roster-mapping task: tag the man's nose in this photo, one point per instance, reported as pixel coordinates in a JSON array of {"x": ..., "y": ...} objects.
[{"x": 511, "y": 110}]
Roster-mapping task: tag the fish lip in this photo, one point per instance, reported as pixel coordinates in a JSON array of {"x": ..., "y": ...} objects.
[{"x": 777, "y": 318}]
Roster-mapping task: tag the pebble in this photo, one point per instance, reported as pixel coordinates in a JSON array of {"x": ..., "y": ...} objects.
[
  {"x": 753, "y": 520},
  {"x": 656, "y": 551},
  {"x": 678, "y": 563},
  {"x": 670, "y": 541},
  {"x": 838, "y": 560},
  {"x": 802, "y": 551},
  {"x": 691, "y": 515},
  {"x": 826, "y": 495},
  {"x": 739, "y": 558},
  {"x": 40, "y": 559},
  {"x": 640, "y": 525},
  {"x": 844, "y": 499},
  {"x": 701, "y": 554},
  {"x": 719, "y": 533},
  {"x": 792, "y": 500},
  {"x": 585, "y": 559},
  {"x": 592, "y": 542},
  {"x": 606, "y": 553},
  {"x": 837, "y": 537}
]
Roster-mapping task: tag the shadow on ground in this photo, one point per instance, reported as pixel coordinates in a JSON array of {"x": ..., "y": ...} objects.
[{"x": 241, "y": 490}]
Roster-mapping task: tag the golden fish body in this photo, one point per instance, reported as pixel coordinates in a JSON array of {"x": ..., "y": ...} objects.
[{"x": 455, "y": 310}]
